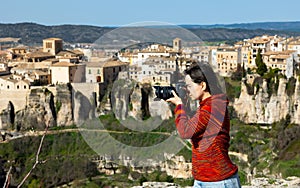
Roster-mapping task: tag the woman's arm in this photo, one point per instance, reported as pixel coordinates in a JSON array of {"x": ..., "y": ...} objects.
[{"x": 186, "y": 127}]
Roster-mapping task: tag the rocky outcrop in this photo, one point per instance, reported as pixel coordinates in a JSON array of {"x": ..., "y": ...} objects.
[
  {"x": 39, "y": 113},
  {"x": 131, "y": 99},
  {"x": 120, "y": 97},
  {"x": 175, "y": 166},
  {"x": 265, "y": 109},
  {"x": 178, "y": 167},
  {"x": 63, "y": 105},
  {"x": 292, "y": 182},
  {"x": 45, "y": 106},
  {"x": 157, "y": 185},
  {"x": 7, "y": 117}
]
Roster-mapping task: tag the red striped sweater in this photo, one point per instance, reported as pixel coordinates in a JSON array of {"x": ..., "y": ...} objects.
[{"x": 208, "y": 130}]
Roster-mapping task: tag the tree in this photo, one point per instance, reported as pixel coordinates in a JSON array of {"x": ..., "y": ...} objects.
[
  {"x": 239, "y": 73},
  {"x": 261, "y": 66}
]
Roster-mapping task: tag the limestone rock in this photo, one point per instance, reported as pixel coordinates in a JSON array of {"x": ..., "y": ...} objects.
[
  {"x": 39, "y": 112},
  {"x": 63, "y": 104},
  {"x": 265, "y": 109},
  {"x": 131, "y": 99},
  {"x": 7, "y": 117}
]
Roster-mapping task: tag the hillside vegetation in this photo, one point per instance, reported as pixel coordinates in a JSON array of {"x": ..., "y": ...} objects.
[{"x": 32, "y": 33}]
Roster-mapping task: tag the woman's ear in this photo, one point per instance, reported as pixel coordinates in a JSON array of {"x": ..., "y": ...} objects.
[{"x": 204, "y": 86}]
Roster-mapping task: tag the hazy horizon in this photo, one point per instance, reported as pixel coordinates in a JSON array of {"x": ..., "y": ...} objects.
[{"x": 183, "y": 24}]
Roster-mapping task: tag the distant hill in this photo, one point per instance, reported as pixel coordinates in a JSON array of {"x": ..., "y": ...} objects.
[
  {"x": 32, "y": 33},
  {"x": 279, "y": 26}
]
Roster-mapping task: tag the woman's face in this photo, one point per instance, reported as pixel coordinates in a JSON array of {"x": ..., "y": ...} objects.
[{"x": 195, "y": 90}]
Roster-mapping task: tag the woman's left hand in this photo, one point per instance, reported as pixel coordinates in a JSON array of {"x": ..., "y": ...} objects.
[{"x": 175, "y": 100}]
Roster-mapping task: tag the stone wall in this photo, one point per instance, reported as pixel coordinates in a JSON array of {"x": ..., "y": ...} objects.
[{"x": 18, "y": 98}]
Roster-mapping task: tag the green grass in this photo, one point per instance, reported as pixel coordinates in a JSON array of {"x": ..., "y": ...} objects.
[{"x": 287, "y": 168}]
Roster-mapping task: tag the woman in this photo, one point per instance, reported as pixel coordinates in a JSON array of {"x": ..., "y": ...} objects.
[{"x": 208, "y": 129}]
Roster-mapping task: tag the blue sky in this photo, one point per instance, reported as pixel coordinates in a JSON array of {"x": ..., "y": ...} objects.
[{"x": 119, "y": 13}]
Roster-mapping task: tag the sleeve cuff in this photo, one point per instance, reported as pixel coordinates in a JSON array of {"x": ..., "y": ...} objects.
[{"x": 178, "y": 109}]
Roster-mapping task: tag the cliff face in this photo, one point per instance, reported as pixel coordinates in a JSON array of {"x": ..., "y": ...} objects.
[
  {"x": 39, "y": 112},
  {"x": 131, "y": 99},
  {"x": 84, "y": 102},
  {"x": 63, "y": 105},
  {"x": 7, "y": 117},
  {"x": 265, "y": 109},
  {"x": 42, "y": 107}
]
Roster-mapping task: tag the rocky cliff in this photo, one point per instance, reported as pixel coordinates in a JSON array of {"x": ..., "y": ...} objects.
[
  {"x": 43, "y": 107},
  {"x": 39, "y": 112},
  {"x": 136, "y": 100},
  {"x": 261, "y": 107}
]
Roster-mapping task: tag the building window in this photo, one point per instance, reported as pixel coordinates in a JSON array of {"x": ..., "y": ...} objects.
[
  {"x": 98, "y": 71},
  {"x": 98, "y": 78},
  {"x": 18, "y": 87},
  {"x": 90, "y": 72},
  {"x": 48, "y": 44},
  {"x": 7, "y": 87},
  {"x": 25, "y": 87}
]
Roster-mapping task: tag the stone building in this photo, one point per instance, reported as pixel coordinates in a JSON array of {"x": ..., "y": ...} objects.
[
  {"x": 8, "y": 83},
  {"x": 228, "y": 59},
  {"x": 65, "y": 72},
  {"x": 52, "y": 45},
  {"x": 94, "y": 72}
]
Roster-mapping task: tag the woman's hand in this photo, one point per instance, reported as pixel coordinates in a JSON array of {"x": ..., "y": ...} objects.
[{"x": 175, "y": 100}]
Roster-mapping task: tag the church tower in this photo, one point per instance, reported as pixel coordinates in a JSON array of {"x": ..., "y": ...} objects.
[
  {"x": 177, "y": 44},
  {"x": 52, "y": 45}
]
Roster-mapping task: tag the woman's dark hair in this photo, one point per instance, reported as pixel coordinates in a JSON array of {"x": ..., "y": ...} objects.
[{"x": 202, "y": 72}]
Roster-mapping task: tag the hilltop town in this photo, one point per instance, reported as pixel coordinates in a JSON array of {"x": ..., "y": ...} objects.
[{"x": 23, "y": 67}]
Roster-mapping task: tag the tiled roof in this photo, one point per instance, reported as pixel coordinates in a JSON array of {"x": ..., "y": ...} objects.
[
  {"x": 39, "y": 72},
  {"x": 19, "y": 48},
  {"x": 294, "y": 43},
  {"x": 38, "y": 54},
  {"x": 9, "y": 79},
  {"x": 63, "y": 64},
  {"x": 287, "y": 52},
  {"x": 261, "y": 41},
  {"x": 65, "y": 52},
  {"x": 94, "y": 64},
  {"x": 112, "y": 63},
  {"x": 280, "y": 56},
  {"x": 51, "y": 59},
  {"x": 9, "y": 39},
  {"x": 78, "y": 52},
  {"x": 53, "y": 38}
]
